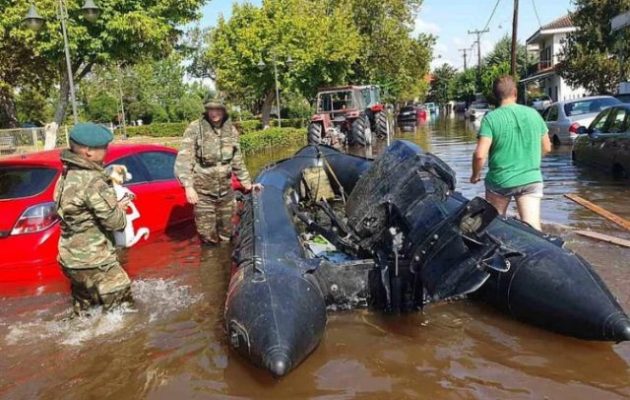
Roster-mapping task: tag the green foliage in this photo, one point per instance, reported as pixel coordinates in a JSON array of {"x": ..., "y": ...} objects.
[
  {"x": 247, "y": 126},
  {"x": 156, "y": 130},
  {"x": 391, "y": 56},
  {"x": 272, "y": 137},
  {"x": 33, "y": 106},
  {"x": 322, "y": 45},
  {"x": 488, "y": 76},
  {"x": 502, "y": 53},
  {"x": 586, "y": 59},
  {"x": 102, "y": 108},
  {"x": 443, "y": 84},
  {"x": 466, "y": 85},
  {"x": 126, "y": 31}
]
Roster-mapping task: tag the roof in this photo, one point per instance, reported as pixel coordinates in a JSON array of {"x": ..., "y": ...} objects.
[
  {"x": 51, "y": 157},
  {"x": 543, "y": 73},
  {"x": 559, "y": 25},
  {"x": 562, "y": 22}
]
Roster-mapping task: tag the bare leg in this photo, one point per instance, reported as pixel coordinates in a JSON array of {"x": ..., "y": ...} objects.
[
  {"x": 499, "y": 202},
  {"x": 529, "y": 210}
]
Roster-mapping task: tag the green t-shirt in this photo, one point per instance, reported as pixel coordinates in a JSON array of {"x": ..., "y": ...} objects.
[{"x": 515, "y": 155}]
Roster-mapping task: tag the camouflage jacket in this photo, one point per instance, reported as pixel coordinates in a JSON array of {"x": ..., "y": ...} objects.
[
  {"x": 208, "y": 157},
  {"x": 89, "y": 212}
]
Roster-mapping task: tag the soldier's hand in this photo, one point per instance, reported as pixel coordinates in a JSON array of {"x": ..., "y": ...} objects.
[
  {"x": 257, "y": 187},
  {"x": 123, "y": 204},
  {"x": 191, "y": 196}
]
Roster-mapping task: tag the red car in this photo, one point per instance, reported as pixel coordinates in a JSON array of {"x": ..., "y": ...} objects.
[{"x": 29, "y": 226}]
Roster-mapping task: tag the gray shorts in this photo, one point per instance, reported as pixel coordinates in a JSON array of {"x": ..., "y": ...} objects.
[{"x": 531, "y": 189}]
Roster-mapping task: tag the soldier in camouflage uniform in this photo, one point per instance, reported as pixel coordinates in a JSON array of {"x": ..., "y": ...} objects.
[
  {"x": 210, "y": 153},
  {"x": 89, "y": 212}
]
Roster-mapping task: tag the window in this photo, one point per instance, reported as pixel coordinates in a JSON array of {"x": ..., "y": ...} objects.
[
  {"x": 335, "y": 101},
  {"x": 617, "y": 121},
  {"x": 597, "y": 125},
  {"x": 589, "y": 106},
  {"x": 135, "y": 168},
  {"x": 552, "y": 113},
  {"x": 17, "y": 182},
  {"x": 159, "y": 164}
]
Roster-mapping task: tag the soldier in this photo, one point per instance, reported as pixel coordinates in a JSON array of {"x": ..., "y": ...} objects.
[
  {"x": 210, "y": 153},
  {"x": 89, "y": 212}
]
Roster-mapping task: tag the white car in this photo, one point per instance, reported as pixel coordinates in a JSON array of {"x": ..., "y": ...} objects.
[
  {"x": 541, "y": 103},
  {"x": 564, "y": 118},
  {"x": 477, "y": 110}
]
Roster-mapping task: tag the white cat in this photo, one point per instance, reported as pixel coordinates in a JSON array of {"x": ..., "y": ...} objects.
[{"x": 127, "y": 237}]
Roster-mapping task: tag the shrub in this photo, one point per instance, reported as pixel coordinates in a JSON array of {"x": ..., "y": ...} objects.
[
  {"x": 172, "y": 129},
  {"x": 271, "y": 137}
]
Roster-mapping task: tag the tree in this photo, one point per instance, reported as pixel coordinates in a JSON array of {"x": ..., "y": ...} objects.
[
  {"x": 588, "y": 56},
  {"x": 391, "y": 56},
  {"x": 443, "y": 84},
  {"x": 489, "y": 74},
  {"x": 502, "y": 53},
  {"x": 466, "y": 85},
  {"x": 103, "y": 108},
  {"x": 127, "y": 30},
  {"x": 33, "y": 106},
  {"x": 321, "y": 42}
]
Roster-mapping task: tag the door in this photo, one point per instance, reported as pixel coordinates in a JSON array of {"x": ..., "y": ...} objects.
[
  {"x": 616, "y": 142},
  {"x": 169, "y": 205},
  {"x": 552, "y": 123},
  {"x": 596, "y": 154}
]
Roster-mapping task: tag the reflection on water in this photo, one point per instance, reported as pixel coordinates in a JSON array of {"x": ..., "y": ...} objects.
[{"x": 172, "y": 344}]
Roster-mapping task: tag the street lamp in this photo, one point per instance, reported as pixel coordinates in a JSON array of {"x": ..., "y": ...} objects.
[
  {"x": 35, "y": 21},
  {"x": 261, "y": 66}
]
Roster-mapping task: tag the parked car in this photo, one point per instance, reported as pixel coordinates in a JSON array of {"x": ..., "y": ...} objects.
[
  {"x": 29, "y": 225},
  {"x": 411, "y": 115},
  {"x": 477, "y": 110},
  {"x": 565, "y": 117},
  {"x": 624, "y": 98},
  {"x": 432, "y": 108},
  {"x": 605, "y": 144},
  {"x": 541, "y": 103}
]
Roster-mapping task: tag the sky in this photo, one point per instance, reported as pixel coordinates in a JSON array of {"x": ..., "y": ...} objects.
[{"x": 450, "y": 20}]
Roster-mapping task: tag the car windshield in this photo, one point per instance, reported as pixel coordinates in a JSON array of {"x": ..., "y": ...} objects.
[
  {"x": 588, "y": 106},
  {"x": 479, "y": 105},
  {"x": 407, "y": 108},
  {"x": 18, "y": 182},
  {"x": 335, "y": 101}
]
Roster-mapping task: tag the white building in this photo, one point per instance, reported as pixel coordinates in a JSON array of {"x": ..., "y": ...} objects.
[{"x": 547, "y": 43}]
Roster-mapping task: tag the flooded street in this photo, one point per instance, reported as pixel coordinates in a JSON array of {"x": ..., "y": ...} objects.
[{"x": 173, "y": 345}]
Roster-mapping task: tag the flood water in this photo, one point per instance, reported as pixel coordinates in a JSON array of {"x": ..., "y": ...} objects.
[{"x": 172, "y": 346}]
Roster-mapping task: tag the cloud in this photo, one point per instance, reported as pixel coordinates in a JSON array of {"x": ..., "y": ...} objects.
[{"x": 422, "y": 26}]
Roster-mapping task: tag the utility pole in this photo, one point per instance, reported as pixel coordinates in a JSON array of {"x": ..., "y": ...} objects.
[
  {"x": 478, "y": 33},
  {"x": 465, "y": 54},
  {"x": 514, "y": 36}
]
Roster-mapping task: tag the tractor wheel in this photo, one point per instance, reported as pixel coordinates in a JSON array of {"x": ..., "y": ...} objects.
[
  {"x": 314, "y": 133},
  {"x": 381, "y": 125},
  {"x": 361, "y": 133}
]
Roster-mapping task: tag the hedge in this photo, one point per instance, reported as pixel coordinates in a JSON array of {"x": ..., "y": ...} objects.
[
  {"x": 174, "y": 129},
  {"x": 258, "y": 140}
]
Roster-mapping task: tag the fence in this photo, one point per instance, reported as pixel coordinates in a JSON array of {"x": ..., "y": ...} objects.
[{"x": 28, "y": 140}]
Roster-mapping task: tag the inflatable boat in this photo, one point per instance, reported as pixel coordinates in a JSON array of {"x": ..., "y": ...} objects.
[{"x": 332, "y": 230}]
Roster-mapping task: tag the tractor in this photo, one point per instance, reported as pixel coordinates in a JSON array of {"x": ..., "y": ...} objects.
[{"x": 348, "y": 115}]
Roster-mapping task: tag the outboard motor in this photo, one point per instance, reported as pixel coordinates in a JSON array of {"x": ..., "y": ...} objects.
[{"x": 427, "y": 247}]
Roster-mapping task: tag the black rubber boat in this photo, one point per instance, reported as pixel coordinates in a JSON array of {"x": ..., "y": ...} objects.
[{"x": 334, "y": 230}]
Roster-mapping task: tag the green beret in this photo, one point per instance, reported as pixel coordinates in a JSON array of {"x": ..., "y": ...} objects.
[{"x": 91, "y": 135}]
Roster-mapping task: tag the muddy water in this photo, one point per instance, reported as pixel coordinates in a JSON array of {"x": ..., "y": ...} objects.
[{"x": 172, "y": 345}]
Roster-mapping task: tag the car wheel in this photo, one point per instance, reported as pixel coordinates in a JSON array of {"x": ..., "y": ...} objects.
[
  {"x": 314, "y": 133},
  {"x": 556, "y": 140}
]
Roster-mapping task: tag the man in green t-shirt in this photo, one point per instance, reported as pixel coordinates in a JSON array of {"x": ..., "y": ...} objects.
[{"x": 514, "y": 137}]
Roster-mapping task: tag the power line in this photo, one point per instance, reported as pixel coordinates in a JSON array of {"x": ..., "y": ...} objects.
[
  {"x": 492, "y": 15},
  {"x": 536, "y": 12}
]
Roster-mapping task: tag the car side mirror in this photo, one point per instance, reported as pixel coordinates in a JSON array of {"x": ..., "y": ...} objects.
[{"x": 582, "y": 130}]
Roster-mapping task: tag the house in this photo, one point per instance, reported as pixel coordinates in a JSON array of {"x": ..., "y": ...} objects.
[{"x": 547, "y": 43}]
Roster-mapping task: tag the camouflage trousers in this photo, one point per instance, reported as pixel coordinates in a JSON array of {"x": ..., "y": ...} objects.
[
  {"x": 105, "y": 286},
  {"x": 213, "y": 217}
]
